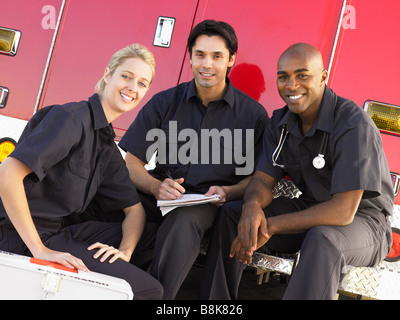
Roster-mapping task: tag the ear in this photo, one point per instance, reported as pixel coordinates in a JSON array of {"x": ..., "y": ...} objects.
[
  {"x": 106, "y": 75},
  {"x": 232, "y": 60},
  {"x": 324, "y": 77}
]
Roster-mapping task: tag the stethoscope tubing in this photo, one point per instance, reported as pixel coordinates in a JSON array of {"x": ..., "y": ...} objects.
[{"x": 318, "y": 162}]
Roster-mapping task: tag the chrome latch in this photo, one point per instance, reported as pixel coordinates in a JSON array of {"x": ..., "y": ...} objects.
[
  {"x": 3, "y": 96},
  {"x": 396, "y": 182}
]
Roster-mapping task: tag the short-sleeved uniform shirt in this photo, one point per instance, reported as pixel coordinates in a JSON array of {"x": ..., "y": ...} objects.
[
  {"x": 73, "y": 157},
  {"x": 354, "y": 156},
  {"x": 187, "y": 125}
]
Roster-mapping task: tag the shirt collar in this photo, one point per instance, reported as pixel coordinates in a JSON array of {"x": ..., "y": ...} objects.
[
  {"x": 324, "y": 120},
  {"x": 228, "y": 97},
  {"x": 98, "y": 115}
]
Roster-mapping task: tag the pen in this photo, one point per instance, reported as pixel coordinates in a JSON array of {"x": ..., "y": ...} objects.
[{"x": 170, "y": 176}]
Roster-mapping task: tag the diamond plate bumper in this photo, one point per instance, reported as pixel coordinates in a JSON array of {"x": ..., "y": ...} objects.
[
  {"x": 283, "y": 265},
  {"x": 381, "y": 282}
]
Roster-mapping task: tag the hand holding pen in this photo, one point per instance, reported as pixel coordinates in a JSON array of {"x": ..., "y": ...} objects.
[{"x": 170, "y": 188}]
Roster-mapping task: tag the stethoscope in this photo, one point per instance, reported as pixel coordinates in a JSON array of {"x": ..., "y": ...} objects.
[{"x": 318, "y": 162}]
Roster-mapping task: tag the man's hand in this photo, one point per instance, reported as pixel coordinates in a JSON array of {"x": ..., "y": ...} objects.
[
  {"x": 240, "y": 252},
  {"x": 252, "y": 228},
  {"x": 169, "y": 189},
  {"x": 220, "y": 191}
]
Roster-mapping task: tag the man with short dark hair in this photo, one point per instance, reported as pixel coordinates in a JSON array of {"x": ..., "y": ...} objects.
[
  {"x": 184, "y": 119},
  {"x": 332, "y": 151}
]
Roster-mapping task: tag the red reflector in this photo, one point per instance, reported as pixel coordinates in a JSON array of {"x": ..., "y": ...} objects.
[
  {"x": 394, "y": 254},
  {"x": 52, "y": 264}
]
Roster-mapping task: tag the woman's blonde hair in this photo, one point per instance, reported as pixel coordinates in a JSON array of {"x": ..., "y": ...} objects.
[{"x": 134, "y": 50}]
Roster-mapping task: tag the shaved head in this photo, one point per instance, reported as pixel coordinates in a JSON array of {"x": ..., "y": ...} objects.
[
  {"x": 301, "y": 79},
  {"x": 304, "y": 51}
]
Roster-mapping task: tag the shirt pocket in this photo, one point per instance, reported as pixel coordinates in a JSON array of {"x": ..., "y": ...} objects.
[
  {"x": 325, "y": 173},
  {"x": 174, "y": 152},
  {"x": 79, "y": 167},
  {"x": 223, "y": 164},
  {"x": 291, "y": 166}
]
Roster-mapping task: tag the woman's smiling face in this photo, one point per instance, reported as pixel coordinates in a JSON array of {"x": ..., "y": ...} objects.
[{"x": 126, "y": 87}]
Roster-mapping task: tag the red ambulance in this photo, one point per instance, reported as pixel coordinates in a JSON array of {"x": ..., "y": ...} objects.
[{"x": 54, "y": 51}]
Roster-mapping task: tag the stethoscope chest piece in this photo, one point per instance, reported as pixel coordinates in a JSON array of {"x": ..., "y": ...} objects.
[{"x": 319, "y": 161}]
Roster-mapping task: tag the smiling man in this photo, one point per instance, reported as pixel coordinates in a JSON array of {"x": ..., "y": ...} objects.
[
  {"x": 207, "y": 103},
  {"x": 332, "y": 151},
  {"x": 301, "y": 81}
]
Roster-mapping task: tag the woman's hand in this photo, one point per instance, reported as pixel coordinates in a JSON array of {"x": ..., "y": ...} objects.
[
  {"x": 105, "y": 251},
  {"x": 63, "y": 258}
]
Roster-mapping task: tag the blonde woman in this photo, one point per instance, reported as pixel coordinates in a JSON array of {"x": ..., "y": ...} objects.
[{"x": 65, "y": 159}]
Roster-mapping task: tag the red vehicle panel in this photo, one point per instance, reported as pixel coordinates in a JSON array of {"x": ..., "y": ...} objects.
[
  {"x": 86, "y": 43},
  {"x": 90, "y": 31},
  {"x": 22, "y": 74},
  {"x": 366, "y": 64},
  {"x": 264, "y": 31}
]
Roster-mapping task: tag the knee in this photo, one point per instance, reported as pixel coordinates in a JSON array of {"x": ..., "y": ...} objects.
[
  {"x": 181, "y": 219},
  {"x": 320, "y": 239},
  {"x": 153, "y": 291},
  {"x": 231, "y": 211}
]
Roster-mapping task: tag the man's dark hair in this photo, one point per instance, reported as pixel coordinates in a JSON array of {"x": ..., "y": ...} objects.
[{"x": 214, "y": 28}]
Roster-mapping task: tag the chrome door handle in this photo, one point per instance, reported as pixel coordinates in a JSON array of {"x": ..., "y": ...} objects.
[
  {"x": 3, "y": 96},
  {"x": 165, "y": 27}
]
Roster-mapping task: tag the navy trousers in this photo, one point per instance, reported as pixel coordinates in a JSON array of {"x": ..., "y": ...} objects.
[
  {"x": 75, "y": 239},
  {"x": 177, "y": 240},
  {"x": 324, "y": 252}
]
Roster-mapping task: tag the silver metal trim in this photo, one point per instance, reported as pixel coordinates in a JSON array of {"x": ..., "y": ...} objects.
[
  {"x": 336, "y": 39},
  {"x": 49, "y": 57}
]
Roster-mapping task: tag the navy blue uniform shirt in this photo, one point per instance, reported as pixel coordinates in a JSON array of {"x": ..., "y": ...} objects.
[
  {"x": 73, "y": 157},
  {"x": 186, "y": 123},
  {"x": 354, "y": 155}
]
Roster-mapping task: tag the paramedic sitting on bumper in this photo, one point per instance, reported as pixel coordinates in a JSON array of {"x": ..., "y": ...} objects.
[
  {"x": 341, "y": 217},
  {"x": 65, "y": 158},
  {"x": 207, "y": 102}
]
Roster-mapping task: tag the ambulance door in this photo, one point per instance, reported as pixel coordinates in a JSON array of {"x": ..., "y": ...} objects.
[
  {"x": 92, "y": 30},
  {"x": 264, "y": 30},
  {"x": 366, "y": 69},
  {"x": 26, "y": 33}
]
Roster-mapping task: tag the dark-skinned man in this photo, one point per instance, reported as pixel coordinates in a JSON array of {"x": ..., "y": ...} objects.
[{"x": 332, "y": 151}]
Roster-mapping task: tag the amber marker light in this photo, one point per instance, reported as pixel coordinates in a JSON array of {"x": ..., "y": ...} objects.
[{"x": 6, "y": 147}]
